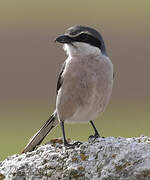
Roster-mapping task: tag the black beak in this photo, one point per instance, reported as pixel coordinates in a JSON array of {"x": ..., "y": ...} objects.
[{"x": 63, "y": 39}]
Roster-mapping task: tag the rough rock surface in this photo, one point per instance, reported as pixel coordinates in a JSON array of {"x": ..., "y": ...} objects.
[{"x": 100, "y": 159}]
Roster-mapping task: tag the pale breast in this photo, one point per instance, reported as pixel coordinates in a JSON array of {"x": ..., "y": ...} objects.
[{"x": 86, "y": 88}]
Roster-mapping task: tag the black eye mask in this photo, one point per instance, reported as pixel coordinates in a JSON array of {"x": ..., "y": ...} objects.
[{"x": 87, "y": 39}]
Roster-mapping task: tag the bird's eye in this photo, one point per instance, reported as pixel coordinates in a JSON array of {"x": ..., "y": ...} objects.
[
  {"x": 82, "y": 38},
  {"x": 87, "y": 38}
]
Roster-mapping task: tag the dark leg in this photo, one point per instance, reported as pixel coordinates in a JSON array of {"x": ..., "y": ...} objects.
[
  {"x": 63, "y": 132},
  {"x": 64, "y": 137},
  {"x": 96, "y": 135}
]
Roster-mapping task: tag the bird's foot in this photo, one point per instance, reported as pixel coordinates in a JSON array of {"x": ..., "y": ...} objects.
[
  {"x": 96, "y": 135},
  {"x": 77, "y": 143}
]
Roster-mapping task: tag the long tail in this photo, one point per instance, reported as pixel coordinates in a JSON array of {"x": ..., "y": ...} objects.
[{"x": 40, "y": 135}]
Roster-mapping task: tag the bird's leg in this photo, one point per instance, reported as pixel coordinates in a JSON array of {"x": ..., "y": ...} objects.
[
  {"x": 96, "y": 135},
  {"x": 64, "y": 137},
  {"x": 63, "y": 133}
]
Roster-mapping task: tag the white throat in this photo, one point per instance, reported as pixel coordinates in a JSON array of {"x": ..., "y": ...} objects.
[{"x": 81, "y": 49}]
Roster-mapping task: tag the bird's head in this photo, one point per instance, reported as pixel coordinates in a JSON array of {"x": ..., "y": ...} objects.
[{"x": 82, "y": 40}]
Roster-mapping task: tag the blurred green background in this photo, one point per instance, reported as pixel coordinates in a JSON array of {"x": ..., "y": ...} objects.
[{"x": 30, "y": 62}]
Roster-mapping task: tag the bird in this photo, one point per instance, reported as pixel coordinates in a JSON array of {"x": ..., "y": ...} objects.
[{"x": 84, "y": 83}]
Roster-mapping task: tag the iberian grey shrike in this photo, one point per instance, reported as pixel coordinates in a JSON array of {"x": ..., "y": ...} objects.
[{"x": 84, "y": 85}]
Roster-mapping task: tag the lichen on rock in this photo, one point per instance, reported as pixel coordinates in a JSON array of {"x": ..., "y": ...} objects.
[{"x": 102, "y": 158}]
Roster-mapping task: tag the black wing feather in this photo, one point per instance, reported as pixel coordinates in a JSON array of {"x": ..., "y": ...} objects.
[
  {"x": 113, "y": 75},
  {"x": 60, "y": 78}
]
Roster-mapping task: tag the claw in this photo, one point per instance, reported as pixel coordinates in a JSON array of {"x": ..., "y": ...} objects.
[
  {"x": 95, "y": 136},
  {"x": 77, "y": 143}
]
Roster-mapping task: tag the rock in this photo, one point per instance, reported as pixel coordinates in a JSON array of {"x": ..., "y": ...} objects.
[{"x": 98, "y": 159}]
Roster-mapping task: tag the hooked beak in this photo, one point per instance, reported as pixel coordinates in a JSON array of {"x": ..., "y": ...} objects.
[{"x": 63, "y": 39}]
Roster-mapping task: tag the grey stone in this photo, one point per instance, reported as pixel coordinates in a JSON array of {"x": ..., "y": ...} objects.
[{"x": 99, "y": 159}]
